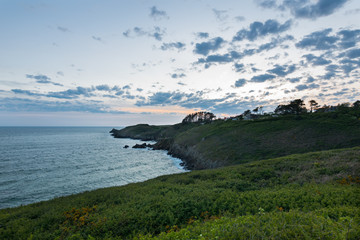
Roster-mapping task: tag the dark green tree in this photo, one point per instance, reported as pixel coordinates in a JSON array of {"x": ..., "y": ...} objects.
[
  {"x": 356, "y": 104},
  {"x": 199, "y": 117},
  {"x": 313, "y": 105},
  {"x": 294, "y": 107}
]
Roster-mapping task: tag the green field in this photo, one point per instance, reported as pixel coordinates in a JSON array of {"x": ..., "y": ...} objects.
[{"x": 312, "y": 195}]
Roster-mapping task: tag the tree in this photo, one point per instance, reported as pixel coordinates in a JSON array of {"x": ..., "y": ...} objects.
[
  {"x": 356, "y": 104},
  {"x": 294, "y": 107},
  {"x": 247, "y": 112},
  {"x": 261, "y": 110},
  {"x": 282, "y": 109},
  {"x": 297, "y": 106},
  {"x": 313, "y": 105},
  {"x": 256, "y": 110},
  {"x": 199, "y": 117}
]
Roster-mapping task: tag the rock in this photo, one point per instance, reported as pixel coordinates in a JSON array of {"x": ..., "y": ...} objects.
[
  {"x": 140, "y": 145},
  {"x": 126, "y": 146}
]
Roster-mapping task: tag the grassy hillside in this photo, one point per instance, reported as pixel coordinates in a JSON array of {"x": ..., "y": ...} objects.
[
  {"x": 312, "y": 195},
  {"x": 224, "y": 143}
]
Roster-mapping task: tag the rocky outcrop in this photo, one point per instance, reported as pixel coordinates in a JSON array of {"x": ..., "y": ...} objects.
[
  {"x": 191, "y": 157},
  {"x": 143, "y": 132},
  {"x": 144, "y": 145}
]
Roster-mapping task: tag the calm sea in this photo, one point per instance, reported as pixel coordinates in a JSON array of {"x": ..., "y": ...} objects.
[{"x": 41, "y": 163}]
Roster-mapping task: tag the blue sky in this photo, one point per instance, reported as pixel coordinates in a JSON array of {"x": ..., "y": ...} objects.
[{"x": 116, "y": 63}]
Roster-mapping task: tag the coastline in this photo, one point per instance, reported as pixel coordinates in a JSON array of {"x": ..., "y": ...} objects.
[
  {"x": 223, "y": 143},
  {"x": 167, "y": 144}
]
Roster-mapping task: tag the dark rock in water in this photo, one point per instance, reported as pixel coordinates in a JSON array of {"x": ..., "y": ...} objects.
[
  {"x": 126, "y": 146},
  {"x": 140, "y": 145}
]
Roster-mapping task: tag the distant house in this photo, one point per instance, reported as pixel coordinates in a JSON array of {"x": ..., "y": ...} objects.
[{"x": 250, "y": 116}]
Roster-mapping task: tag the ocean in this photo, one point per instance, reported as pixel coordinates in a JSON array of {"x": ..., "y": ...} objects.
[{"x": 41, "y": 163}]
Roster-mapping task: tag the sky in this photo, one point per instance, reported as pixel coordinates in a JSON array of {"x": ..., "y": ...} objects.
[{"x": 122, "y": 62}]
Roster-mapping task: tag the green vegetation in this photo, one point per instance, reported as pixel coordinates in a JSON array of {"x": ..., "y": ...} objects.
[
  {"x": 273, "y": 225},
  {"x": 302, "y": 196},
  {"x": 223, "y": 143}
]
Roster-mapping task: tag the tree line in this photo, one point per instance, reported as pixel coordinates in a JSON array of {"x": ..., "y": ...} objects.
[{"x": 295, "y": 107}]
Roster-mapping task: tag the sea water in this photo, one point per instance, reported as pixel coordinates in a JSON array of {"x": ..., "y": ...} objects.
[{"x": 41, "y": 163}]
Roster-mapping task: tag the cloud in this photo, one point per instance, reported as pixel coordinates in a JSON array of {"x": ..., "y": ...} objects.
[
  {"x": 305, "y": 8},
  {"x": 352, "y": 11},
  {"x": 262, "y": 78},
  {"x": 36, "y": 105},
  {"x": 162, "y": 98},
  {"x": 205, "y": 48},
  {"x": 85, "y": 93},
  {"x": 42, "y": 79},
  {"x": 229, "y": 103},
  {"x": 275, "y": 42},
  {"x": 157, "y": 14},
  {"x": 103, "y": 87},
  {"x": 322, "y": 40},
  {"x": 304, "y": 86},
  {"x": 240, "y": 18},
  {"x": 331, "y": 71},
  {"x": 258, "y": 29},
  {"x": 310, "y": 79},
  {"x": 354, "y": 53},
  {"x": 202, "y": 35},
  {"x": 284, "y": 70},
  {"x": 239, "y": 67},
  {"x": 97, "y": 38},
  {"x": 234, "y": 55},
  {"x": 221, "y": 15},
  {"x": 239, "y": 83},
  {"x": 173, "y": 45},
  {"x": 320, "y": 9},
  {"x": 267, "y": 3},
  {"x": 319, "y": 40},
  {"x": 26, "y": 92},
  {"x": 342, "y": 92},
  {"x": 63, "y": 29},
  {"x": 71, "y": 93},
  {"x": 348, "y": 65},
  {"x": 349, "y": 38},
  {"x": 316, "y": 61},
  {"x": 178, "y": 75},
  {"x": 294, "y": 80},
  {"x": 217, "y": 58},
  {"x": 157, "y": 33}
]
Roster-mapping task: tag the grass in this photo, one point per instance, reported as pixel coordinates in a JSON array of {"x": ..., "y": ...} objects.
[
  {"x": 244, "y": 141},
  {"x": 223, "y": 143},
  {"x": 318, "y": 194}
]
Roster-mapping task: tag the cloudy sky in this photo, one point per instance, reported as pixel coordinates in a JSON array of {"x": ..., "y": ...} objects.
[{"x": 118, "y": 62}]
